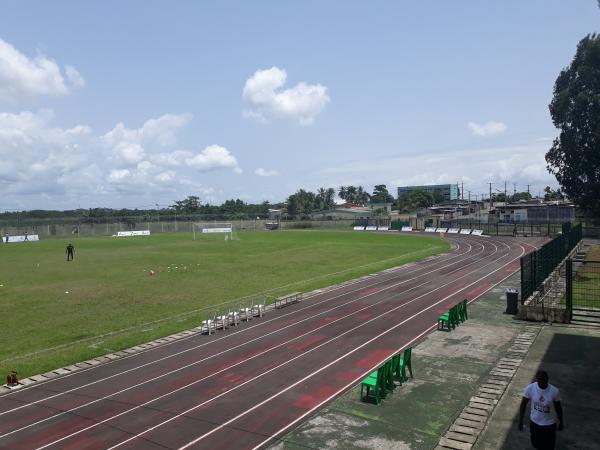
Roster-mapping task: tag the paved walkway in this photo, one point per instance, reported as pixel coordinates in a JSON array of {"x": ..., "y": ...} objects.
[
  {"x": 450, "y": 369},
  {"x": 571, "y": 356}
]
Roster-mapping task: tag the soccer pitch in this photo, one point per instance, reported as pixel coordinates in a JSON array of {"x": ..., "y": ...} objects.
[{"x": 57, "y": 313}]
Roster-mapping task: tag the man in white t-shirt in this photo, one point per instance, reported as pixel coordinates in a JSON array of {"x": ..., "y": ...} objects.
[{"x": 542, "y": 423}]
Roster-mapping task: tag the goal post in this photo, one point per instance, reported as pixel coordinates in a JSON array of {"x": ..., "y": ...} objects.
[{"x": 212, "y": 229}]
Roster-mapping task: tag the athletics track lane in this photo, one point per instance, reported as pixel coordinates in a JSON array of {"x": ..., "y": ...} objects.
[{"x": 381, "y": 314}]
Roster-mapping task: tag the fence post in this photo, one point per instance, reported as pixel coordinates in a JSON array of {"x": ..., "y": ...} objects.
[{"x": 569, "y": 288}]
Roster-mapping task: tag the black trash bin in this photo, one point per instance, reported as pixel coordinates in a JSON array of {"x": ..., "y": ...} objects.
[{"x": 512, "y": 301}]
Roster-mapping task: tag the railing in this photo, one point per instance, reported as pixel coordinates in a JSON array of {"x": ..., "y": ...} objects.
[{"x": 538, "y": 265}]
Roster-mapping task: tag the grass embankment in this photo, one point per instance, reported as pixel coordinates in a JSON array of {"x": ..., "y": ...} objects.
[{"x": 56, "y": 313}]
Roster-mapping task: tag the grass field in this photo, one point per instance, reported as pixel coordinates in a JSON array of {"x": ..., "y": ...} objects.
[{"x": 56, "y": 313}]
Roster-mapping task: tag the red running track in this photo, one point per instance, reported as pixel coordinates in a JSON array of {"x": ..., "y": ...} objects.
[{"x": 247, "y": 386}]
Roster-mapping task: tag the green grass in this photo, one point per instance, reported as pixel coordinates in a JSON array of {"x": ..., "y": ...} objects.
[{"x": 113, "y": 303}]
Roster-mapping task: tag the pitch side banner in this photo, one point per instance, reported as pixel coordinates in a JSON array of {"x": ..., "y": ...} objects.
[
  {"x": 30, "y": 237},
  {"x": 216, "y": 230},
  {"x": 133, "y": 233}
]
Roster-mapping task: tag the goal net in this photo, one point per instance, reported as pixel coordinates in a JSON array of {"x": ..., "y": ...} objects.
[{"x": 213, "y": 230}]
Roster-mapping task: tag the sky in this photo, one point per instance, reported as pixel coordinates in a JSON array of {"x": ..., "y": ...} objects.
[{"x": 141, "y": 103}]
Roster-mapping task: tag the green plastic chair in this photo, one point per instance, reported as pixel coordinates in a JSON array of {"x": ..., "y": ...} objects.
[
  {"x": 465, "y": 314},
  {"x": 397, "y": 369},
  {"x": 406, "y": 363},
  {"x": 389, "y": 375},
  {"x": 375, "y": 384},
  {"x": 449, "y": 320}
]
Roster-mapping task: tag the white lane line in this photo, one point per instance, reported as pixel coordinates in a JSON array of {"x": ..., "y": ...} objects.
[
  {"x": 294, "y": 358},
  {"x": 172, "y": 371},
  {"x": 356, "y": 380},
  {"x": 262, "y": 323},
  {"x": 202, "y": 379}
]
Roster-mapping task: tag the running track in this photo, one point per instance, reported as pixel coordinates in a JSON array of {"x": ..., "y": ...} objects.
[{"x": 247, "y": 386}]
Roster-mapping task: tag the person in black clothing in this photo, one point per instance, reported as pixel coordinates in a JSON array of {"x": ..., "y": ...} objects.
[
  {"x": 26, "y": 238},
  {"x": 6, "y": 240},
  {"x": 70, "y": 250}
]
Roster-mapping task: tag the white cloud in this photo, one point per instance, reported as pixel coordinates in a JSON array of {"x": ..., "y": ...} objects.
[
  {"x": 128, "y": 152},
  {"x": 118, "y": 175},
  {"x": 266, "y": 99},
  {"x": 21, "y": 76},
  {"x": 62, "y": 164},
  {"x": 211, "y": 158},
  {"x": 487, "y": 129},
  {"x": 265, "y": 173},
  {"x": 162, "y": 131},
  {"x": 166, "y": 177}
]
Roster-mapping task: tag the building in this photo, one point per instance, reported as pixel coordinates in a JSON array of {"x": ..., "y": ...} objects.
[
  {"x": 536, "y": 213},
  {"x": 446, "y": 192}
]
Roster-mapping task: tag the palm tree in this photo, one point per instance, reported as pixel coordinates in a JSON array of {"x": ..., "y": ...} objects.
[
  {"x": 362, "y": 197},
  {"x": 351, "y": 194},
  {"x": 342, "y": 192},
  {"x": 329, "y": 198}
]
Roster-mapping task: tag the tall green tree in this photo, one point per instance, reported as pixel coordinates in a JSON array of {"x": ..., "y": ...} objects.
[
  {"x": 190, "y": 205},
  {"x": 415, "y": 200},
  {"x": 575, "y": 109},
  {"x": 301, "y": 203},
  {"x": 361, "y": 197},
  {"x": 381, "y": 194},
  {"x": 325, "y": 198}
]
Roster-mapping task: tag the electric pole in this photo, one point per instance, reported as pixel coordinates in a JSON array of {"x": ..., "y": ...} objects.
[{"x": 491, "y": 204}]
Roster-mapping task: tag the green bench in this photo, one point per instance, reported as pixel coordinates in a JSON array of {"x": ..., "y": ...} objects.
[{"x": 454, "y": 317}]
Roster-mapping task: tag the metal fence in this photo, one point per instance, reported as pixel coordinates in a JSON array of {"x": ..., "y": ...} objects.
[
  {"x": 107, "y": 228},
  {"x": 506, "y": 229},
  {"x": 538, "y": 265}
]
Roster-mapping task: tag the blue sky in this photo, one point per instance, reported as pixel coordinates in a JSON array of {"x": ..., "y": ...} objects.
[{"x": 129, "y": 104}]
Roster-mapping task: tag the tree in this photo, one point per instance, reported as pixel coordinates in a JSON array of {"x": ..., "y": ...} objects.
[
  {"x": 521, "y": 196},
  {"x": 189, "y": 205},
  {"x": 325, "y": 198},
  {"x": 414, "y": 200},
  {"x": 381, "y": 194},
  {"x": 361, "y": 197},
  {"x": 500, "y": 197},
  {"x": 551, "y": 195},
  {"x": 575, "y": 109},
  {"x": 301, "y": 203}
]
